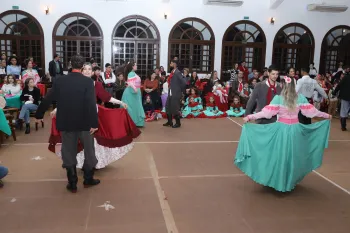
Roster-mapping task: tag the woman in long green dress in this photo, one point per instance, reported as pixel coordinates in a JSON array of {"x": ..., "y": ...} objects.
[
  {"x": 132, "y": 95},
  {"x": 281, "y": 154}
]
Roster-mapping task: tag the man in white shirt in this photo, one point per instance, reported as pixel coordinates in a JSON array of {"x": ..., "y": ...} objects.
[{"x": 307, "y": 86}]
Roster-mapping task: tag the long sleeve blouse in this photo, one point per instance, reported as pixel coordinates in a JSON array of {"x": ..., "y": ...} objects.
[
  {"x": 149, "y": 84},
  {"x": 277, "y": 107},
  {"x": 31, "y": 74},
  {"x": 15, "y": 70},
  {"x": 103, "y": 95},
  {"x": 11, "y": 89}
]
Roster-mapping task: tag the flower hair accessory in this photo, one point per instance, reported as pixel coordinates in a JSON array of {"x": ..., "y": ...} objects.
[{"x": 287, "y": 79}]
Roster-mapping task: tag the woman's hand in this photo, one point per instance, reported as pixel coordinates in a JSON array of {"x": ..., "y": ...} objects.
[
  {"x": 125, "y": 106},
  {"x": 330, "y": 117},
  {"x": 53, "y": 113},
  {"x": 246, "y": 119},
  {"x": 31, "y": 98}
]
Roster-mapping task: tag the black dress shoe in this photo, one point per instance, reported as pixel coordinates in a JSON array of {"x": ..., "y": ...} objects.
[
  {"x": 89, "y": 178},
  {"x": 178, "y": 122},
  {"x": 168, "y": 124},
  {"x": 170, "y": 121}
]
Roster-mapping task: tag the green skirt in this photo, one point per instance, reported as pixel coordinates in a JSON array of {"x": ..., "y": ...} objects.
[
  {"x": 135, "y": 108},
  {"x": 278, "y": 155}
]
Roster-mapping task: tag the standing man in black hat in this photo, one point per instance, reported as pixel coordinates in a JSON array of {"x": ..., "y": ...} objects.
[{"x": 177, "y": 84}]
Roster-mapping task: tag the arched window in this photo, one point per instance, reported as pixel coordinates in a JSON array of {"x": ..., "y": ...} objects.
[
  {"x": 21, "y": 34},
  {"x": 335, "y": 49},
  {"x": 243, "y": 41},
  {"x": 293, "y": 46},
  {"x": 78, "y": 33},
  {"x": 192, "y": 40},
  {"x": 136, "y": 38}
]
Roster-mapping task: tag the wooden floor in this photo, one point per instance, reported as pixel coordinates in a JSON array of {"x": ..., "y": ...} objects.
[{"x": 174, "y": 180}]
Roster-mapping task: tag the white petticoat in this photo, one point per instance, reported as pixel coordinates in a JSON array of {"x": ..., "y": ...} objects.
[{"x": 104, "y": 155}]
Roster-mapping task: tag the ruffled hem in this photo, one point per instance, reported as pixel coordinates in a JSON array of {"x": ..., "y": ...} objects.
[{"x": 104, "y": 155}]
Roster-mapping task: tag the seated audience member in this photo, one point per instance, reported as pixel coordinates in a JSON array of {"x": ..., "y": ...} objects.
[
  {"x": 236, "y": 109},
  {"x": 2, "y": 68},
  {"x": 13, "y": 68},
  {"x": 11, "y": 87},
  {"x": 193, "y": 108},
  {"x": 31, "y": 97},
  {"x": 211, "y": 109},
  {"x": 3, "y": 172},
  {"x": 150, "y": 88},
  {"x": 220, "y": 95},
  {"x": 148, "y": 106},
  {"x": 237, "y": 89},
  {"x": 30, "y": 73},
  {"x": 194, "y": 78},
  {"x": 193, "y": 93}
]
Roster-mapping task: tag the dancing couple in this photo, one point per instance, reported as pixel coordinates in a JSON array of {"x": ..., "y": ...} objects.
[
  {"x": 77, "y": 120},
  {"x": 279, "y": 155}
]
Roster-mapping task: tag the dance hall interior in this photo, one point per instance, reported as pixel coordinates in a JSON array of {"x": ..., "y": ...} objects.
[{"x": 174, "y": 116}]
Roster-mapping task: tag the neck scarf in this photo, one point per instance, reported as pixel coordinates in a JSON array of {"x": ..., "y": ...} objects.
[
  {"x": 170, "y": 77},
  {"x": 240, "y": 86},
  {"x": 272, "y": 88},
  {"x": 193, "y": 104}
]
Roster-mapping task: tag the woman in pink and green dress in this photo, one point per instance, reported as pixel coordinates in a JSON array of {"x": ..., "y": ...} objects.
[
  {"x": 132, "y": 95},
  {"x": 279, "y": 155}
]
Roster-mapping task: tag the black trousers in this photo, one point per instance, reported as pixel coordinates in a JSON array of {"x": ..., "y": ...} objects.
[
  {"x": 70, "y": 149},
  {"x": 303, "y": 119},
  {"x": 264, "y": 121}
]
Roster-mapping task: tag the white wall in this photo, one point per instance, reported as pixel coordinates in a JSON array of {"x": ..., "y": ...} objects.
[{"x": 108, "y": 13}]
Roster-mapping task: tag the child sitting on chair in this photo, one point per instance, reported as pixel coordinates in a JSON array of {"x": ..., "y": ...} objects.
[{"x": 236, "y": 109}]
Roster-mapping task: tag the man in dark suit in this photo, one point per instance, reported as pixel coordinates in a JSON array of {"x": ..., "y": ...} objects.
[
  {"x": 262, "y": 95},
  {"x": 177, "y": 84},
  {"x": 76, "y": 120},
  {"x": 55, "y": 67}
]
